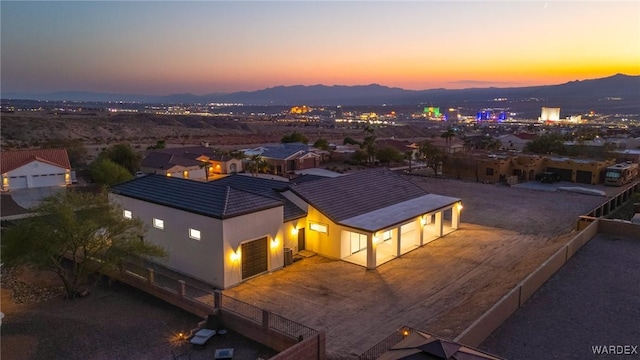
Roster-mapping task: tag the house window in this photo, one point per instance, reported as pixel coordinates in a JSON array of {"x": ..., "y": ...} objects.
[
  {"x": 386, "y": 236},
  {"x": 194, "y": 234},
  {"x": 489, "y": 172},
  {"x": 127, "y": 214},
  {"x": 158, "y": 224},
  {"x": 319, "y": 227},
  {"x": 358, "y": 242}
]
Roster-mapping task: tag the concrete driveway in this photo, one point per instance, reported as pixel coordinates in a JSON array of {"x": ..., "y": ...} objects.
[
  {"x": 28, "y": 198},
  {"x": 440, "y": 288}
]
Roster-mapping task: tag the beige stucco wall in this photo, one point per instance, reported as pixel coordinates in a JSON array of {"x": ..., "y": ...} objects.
[
  {"x": 200, "y": 258},
  {"x": 242, "y": 229}
]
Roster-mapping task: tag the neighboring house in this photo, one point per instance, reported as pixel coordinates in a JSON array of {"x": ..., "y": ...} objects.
[
  {"x": 187, "y": 162},
  {"x": 228, "y": 230},
  {"x": 404, "y": 147},
  {"x": 22, "y": 169},
  {"x": 454, "y": 145},
  {"x": 171, "y": 165},
  {"x": 493, "y": 168},
  {"x": 287, "y": 158},
  {"x": 514, "y": 141}
]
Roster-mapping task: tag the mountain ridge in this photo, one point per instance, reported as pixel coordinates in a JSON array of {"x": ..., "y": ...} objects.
[{"x": 618, "y": 85}]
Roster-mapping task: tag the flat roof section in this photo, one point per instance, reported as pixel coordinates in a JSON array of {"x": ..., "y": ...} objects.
[{"x": 398, "y": 213}]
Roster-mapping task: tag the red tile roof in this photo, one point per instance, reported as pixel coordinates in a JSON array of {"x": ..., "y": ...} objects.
[{"x": 13, "y": 159}]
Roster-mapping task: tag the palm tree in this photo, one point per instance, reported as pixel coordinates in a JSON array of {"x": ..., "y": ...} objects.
[
  {"x": 447, "y": 135},
  {"x": 258, "y": 165},
  {"x": 206, "y": 165}
]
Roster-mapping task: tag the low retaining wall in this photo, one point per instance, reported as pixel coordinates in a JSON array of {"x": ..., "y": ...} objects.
[
  {"x": 311, "y": 348},
  {"x": 488, "y": 322},
  {"x": 619, "y": 228},
  {"x": 255, "y": 331},
  {"x": 172, "y": 298}
]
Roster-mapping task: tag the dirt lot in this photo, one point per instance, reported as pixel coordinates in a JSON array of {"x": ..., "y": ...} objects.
[
  {"x": 114, "y": 322},
  {"x": 441, "y": 287},
  {"x": 591, "y": 301}
]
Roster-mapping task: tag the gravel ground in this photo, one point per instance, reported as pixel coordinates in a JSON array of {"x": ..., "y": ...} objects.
[
  {"x": 523, "y": 210},
  {"x": 114, "y": 322},
  {"x": 594, "y": 300}
]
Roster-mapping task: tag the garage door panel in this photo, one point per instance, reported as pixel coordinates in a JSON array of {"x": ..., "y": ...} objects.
[
  {"x": 254, "y": 257},
  {"x": 48, "y": 180},
  {"x": 17, "y": 182}
]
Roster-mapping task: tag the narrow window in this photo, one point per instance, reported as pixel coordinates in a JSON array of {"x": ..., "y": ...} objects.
[
  {"x": 319, "y": 227},
  {"x": 194, "y": 234},
  {"x": 127, "y": 214},
  {"x": 158, "y": 224}
]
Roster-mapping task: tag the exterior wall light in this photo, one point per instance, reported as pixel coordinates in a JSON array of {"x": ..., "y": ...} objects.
[
  {"x": 423, "y": 221},
  {"x": 235, "y": 256},
  {"x": 294, "y": 231},
  {"x": 274, "y": 243},
  {"x": 460, "y": 206}
]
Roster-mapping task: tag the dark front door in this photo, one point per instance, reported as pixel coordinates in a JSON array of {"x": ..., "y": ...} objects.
[
  {"x": 301, "y": 240},
  {"x": 254, "y": 257}
]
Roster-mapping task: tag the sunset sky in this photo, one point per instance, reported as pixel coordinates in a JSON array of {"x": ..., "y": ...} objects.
[{"x": 165, "y": 47}]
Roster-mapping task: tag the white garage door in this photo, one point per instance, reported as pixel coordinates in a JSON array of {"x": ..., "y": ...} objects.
[
  {"x": 48, "y": 180},
  {"x": 17, "y": 182}
]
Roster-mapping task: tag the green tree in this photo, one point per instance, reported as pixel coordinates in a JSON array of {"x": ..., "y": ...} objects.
[
  {"x": 322, "y": 144},
  {"x": 160, "y": 144},
  {"x": 447, "y": 135},
  {"x": 359, "y": 157},
  {"x": 257, "y": 165},
  {"x": 369, "y": 143},
  {"x": 106, "y": 172},
  {"x": 431, "y": 156},
  {"x": 76, "y": 150},
  {"x": 123, "y": 155},
  {"x": 350, "y": 141},
  {"x": 206, "y": 166},
  {"x": 82, "y": 227},
  {"x": 546, "y": 144},
  {"x": 294, "y": 137},
  {"x": 388, "y": 154}
]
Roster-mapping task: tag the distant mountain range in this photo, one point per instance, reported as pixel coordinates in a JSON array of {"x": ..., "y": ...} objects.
[{"x": 618, "y": 87}]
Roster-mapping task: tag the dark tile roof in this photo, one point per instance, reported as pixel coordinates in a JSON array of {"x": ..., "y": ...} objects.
[
  {"x": 283, "y": 151},
  {"x": 307, "y": 178},
  {"x": 193, "y": 152},
  {"x": 158, "y": 160},
  {"x": 355, "y": 194},
  {"x": 264, "y": 187},
  {"x": 13, "y": 159},
  {"x": 209, "y": 199}
]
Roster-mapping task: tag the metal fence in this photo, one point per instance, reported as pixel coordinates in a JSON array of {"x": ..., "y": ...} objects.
[
  {"x": 133, "y": 269},
  {"x": 241, "y": 308},
  {"x": 156, "y": 276},
  {"x": 387, "y": 343},
  {"x": 202, "y": 296},
  {"x": 290, "y": 327}
]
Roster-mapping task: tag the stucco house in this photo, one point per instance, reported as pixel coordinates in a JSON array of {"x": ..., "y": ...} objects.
[
  {"x": 187, "y": 162},
  {"x": 229, "y": 230},
  {"x": 288, "y": 157},
  {"x": 33, "y": 168}
]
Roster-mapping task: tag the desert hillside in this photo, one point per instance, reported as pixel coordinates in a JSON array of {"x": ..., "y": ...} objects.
[{"x": 29, "y": 129}]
